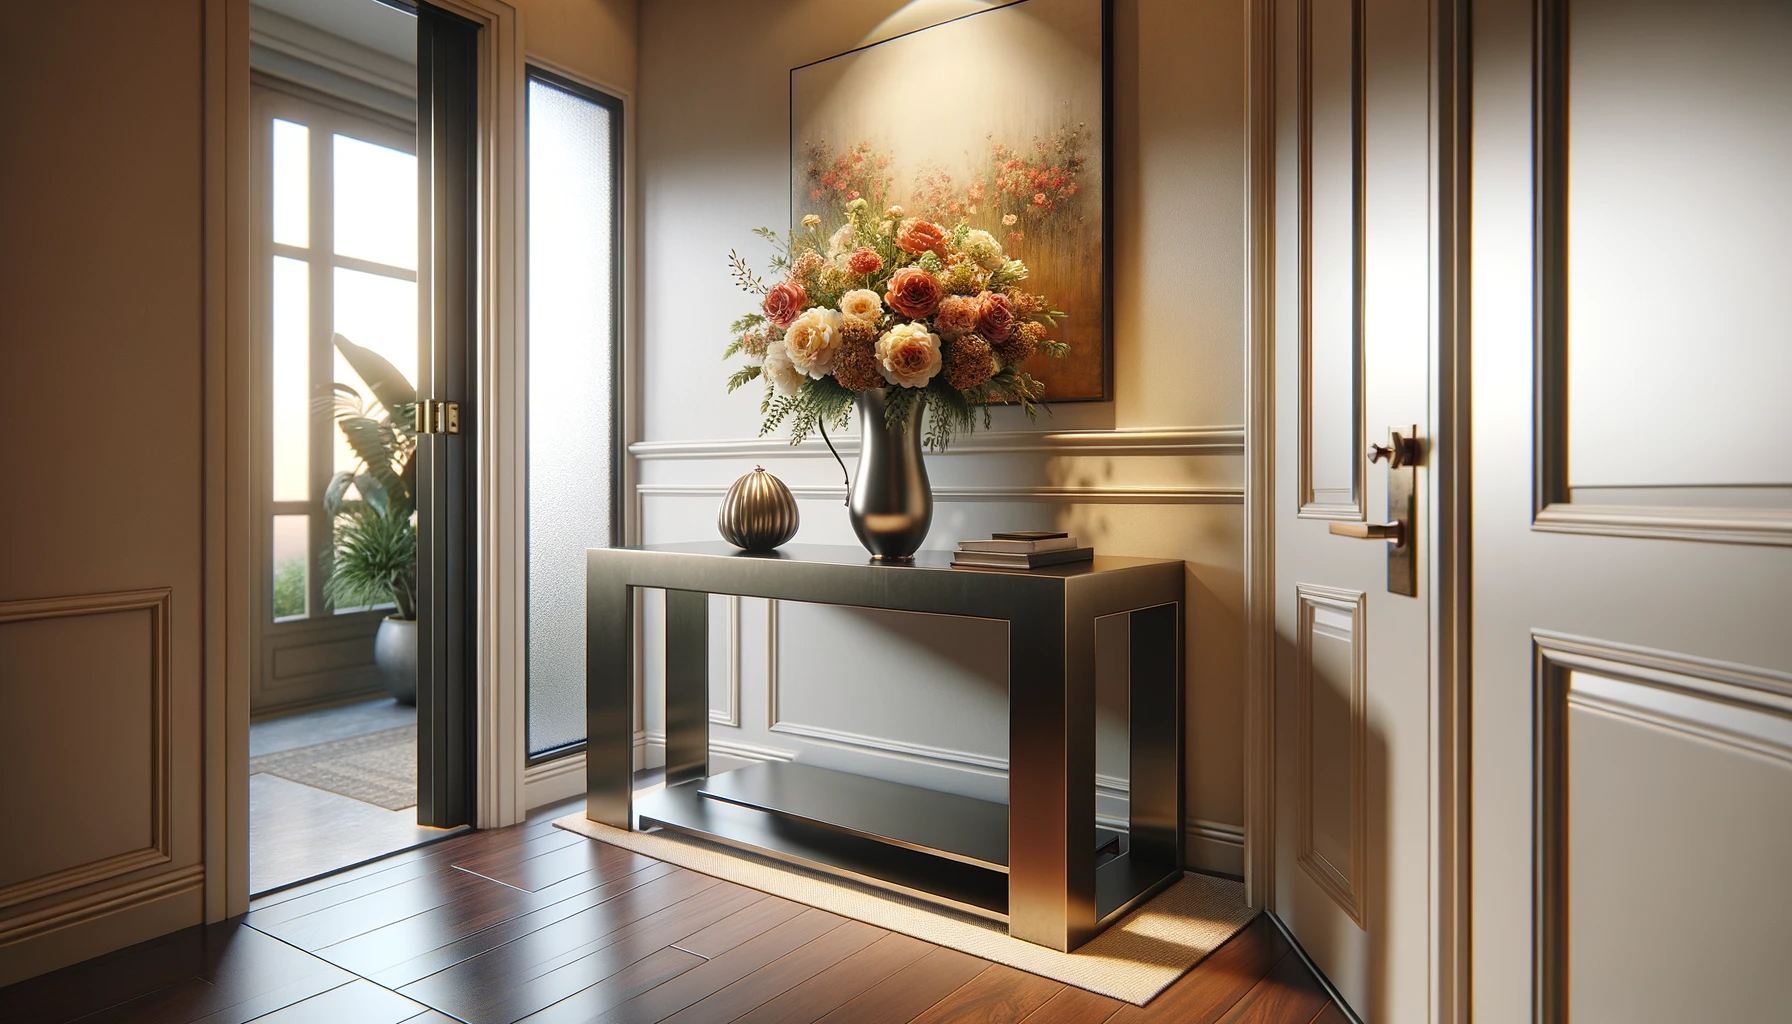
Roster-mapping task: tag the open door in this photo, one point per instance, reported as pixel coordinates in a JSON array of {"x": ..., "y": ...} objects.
[{"x": 1356, "y": 329}]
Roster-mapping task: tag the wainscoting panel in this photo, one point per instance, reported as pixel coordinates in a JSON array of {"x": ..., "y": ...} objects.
[
  {"x": 1331, "y": 716},
  {"x": 1331, "y": 260},
  {"x": 1664, "y": 821},
  {"x": 84, "y": 741}
]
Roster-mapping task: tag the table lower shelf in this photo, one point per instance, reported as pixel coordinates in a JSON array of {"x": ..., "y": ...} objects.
[{"x": 938, "y": 847}]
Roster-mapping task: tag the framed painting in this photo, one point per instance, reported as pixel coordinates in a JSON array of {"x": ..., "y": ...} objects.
[{"x": 995, "y": 120}]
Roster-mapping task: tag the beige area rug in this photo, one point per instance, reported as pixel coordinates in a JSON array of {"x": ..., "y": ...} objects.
[
  {"x": 378, "y": 767},
  {"x": 1134, "y": 960}
]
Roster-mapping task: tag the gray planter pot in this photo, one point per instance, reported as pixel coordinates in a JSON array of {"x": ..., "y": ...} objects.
[{"x": 395, "y": 655}]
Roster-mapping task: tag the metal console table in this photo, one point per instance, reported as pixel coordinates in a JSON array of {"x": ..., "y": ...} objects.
[{"x": 1039, "y": 863}]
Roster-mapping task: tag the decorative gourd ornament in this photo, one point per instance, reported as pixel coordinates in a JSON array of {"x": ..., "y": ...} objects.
[{"x": 758, "y": 512}]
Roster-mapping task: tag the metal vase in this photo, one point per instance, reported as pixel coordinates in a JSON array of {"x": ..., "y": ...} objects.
[{"x": 891, "y": 504}]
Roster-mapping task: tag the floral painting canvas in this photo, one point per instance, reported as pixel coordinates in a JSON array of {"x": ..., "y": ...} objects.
[{"x": 989, "y": 123}]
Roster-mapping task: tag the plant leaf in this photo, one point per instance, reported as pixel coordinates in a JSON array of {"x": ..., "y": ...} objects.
[{"x": 389, "y": 385}]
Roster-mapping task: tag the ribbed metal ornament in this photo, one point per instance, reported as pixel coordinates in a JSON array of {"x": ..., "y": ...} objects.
[{"x": 758, "y": 513}]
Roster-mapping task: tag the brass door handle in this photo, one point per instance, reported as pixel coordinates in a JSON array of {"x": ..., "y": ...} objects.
[
  {"x": 1394, "y": 531},
  {"x": 1404, "y": 450}
]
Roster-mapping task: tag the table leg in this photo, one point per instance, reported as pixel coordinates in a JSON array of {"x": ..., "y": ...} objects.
[
  {"x": 1155, "y": 797},
  {"x": 609, "y": 698},
  {"x": 1051, "y": 778},
  {"x": 687, "y": 686}
]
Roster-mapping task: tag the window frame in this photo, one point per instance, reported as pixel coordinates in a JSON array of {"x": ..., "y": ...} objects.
[{"x": 533, "y": 73}]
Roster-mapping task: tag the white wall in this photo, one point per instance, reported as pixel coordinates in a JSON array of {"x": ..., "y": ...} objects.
[{"x": 1158, "y": 471}]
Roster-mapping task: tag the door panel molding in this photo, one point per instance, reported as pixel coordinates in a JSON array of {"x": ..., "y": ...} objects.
[
  {"x": 1344, "y": 883},
  {"x": 158, "y": 661},
  {"x": 1555, "y": 509},
  {"x": 1317, "y": 503},
  {"x": 1703, "y": 698}
]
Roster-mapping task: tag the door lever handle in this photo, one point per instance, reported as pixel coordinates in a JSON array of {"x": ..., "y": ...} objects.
[{"x": 1394, "y": 531}]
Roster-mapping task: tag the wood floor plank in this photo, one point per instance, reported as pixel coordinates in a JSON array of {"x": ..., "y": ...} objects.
[
  {"x": 999, "y": 995},
  {"x": 1076, "y": 1006},
  {"x": 1207, "y": 992},
  {"x": 661, "y": 1002},
  {"x": 815, "y": 998},
  {"x": 381, "y": 949},
  {"x": 509, "y": 983},
  {"x": 1331, "y": 1013},
  {"x": 343, "y": 921},
  {"x": 740, "y": 926},
  {"x": 359, "y": 1001},
  {"x": 1288, "y": 994},
  {"x": 544, "y": 869},
  {"x": 108, "y": 980},
  {"x": 779, "y": 976},
  {"x": 422, "y": 965},
  {"x": 641, "y": 976},
  {"x": 496, "y": 863},
  {"x": 900, "y": 997}
]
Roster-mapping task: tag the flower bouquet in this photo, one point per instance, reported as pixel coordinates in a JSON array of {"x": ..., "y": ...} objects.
[{"x": 933, "y": 316}]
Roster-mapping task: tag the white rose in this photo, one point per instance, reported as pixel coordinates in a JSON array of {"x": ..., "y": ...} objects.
[
  {"x": 842, "y": 240},
  {"x": 812, "y": 341},
  {"x": 909, "y": 355},
  {"x": 780, "y": 370},
  {"x": 862, "y": 303},
  {"x": 982, "y": 249}
]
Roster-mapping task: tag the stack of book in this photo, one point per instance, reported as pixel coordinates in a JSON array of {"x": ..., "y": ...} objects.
[{"x": 1020, "y": 551}]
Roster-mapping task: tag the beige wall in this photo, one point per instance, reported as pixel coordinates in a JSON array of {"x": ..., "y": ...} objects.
[
  {"x": 713, "y": 161},
  {"x": 102, "y": 320}
]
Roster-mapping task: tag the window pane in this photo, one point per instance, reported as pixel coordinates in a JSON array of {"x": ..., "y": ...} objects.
[
  {"x": 572, "y": 271},
  {"x": 379, "y": 313},
  {"x": 292, "y": 379},
  {"x": 292, "y": 198},
  {"x": 292, "y": 566},
  {"x": 376, "y": 203}
]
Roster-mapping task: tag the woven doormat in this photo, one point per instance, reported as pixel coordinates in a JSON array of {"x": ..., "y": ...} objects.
[
  {"x": 1134, "y": 960},
  {"x": 377, "y": 767}
]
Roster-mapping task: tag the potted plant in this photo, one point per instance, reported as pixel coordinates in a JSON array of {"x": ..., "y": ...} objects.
[{"x": 373, "y": 553}]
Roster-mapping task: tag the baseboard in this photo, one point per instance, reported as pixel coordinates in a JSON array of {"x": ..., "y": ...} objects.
[
  {"x": 1214, "y": 848},
  {"x": 45, "y": 939}
]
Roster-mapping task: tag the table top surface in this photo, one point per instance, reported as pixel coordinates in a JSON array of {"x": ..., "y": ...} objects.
[{"x": 842, "y": 555}]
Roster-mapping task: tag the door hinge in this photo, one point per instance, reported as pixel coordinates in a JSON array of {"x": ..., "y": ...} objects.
[{"x": 435, "y": 416}]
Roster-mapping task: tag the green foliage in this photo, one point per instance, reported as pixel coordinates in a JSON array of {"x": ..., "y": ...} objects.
[
  {"x": 384, "y": 440},
  {"x": 744, "y": 278},
  {"x": 372, "y": 561},
  {"x": 743, "y": 324},
  {"x": 289, "y": 588},
  {"x": 741, "y": 376},
  {"x": 900, "y": 404}
]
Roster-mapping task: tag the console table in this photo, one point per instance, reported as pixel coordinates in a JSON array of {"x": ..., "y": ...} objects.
[{"x": 1038, "y": 863}]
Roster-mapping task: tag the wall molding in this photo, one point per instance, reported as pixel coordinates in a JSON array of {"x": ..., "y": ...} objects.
[
  {"x": 158, "y": 602},
  {"x": 731, "y": 716},
  {"x": 1203, "y": 440},
  {"x": 1345, "y": 884},
  {"x": 1726, "y": 687},
  {"x": 1087, "y": 495}
]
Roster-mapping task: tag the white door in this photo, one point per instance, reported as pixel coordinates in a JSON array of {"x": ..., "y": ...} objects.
[
  {"x": 1354, "y": 331},
  {"x": 1632, "y": 516}
]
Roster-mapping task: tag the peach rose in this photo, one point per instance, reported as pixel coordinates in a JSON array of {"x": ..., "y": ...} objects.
[
  {"x": 862, "y": 303},
  {"x": 781, "y": 371},
  {"x": 995, "y": 316},
  {"x": 908, "y": 355},
  {"x": 919, "y": 236},
  {"x": 865, "y": 260},
  {"x": 957, "y": 315},
  {"x": 913, "y": 292},
  {"x": 784, "y": 303},
  {"x": 812, "y": 342}
]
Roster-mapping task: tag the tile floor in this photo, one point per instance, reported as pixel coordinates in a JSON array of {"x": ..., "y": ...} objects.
[{"x": 297, "y": 832}]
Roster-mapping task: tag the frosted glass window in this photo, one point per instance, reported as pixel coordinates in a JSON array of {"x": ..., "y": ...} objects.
[
  {"x": 379, "y": 313},
  {"x": 292, "y": 566},
  {"x": 292, "y": 379},
  {"x": 375, "y": 201},
  {"x": 573, "y": 161},
  {"x": 292, "y": 196}
]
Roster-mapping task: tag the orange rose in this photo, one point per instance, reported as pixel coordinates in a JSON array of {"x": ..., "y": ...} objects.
[
  {"x": 913, "y": 292},
  {"x": 865, "y": 261},
  {"x": 784, "y": 303},
  {"x": 919, "y": 236}
]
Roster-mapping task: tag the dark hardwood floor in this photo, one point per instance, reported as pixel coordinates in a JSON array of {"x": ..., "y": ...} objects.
[{"x": 536, "y": 924}]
